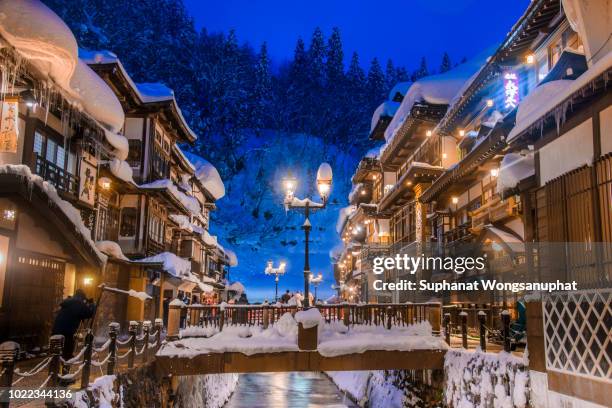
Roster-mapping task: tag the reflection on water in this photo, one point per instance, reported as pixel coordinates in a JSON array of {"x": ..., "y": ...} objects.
[{"x": 293, "y": 390}]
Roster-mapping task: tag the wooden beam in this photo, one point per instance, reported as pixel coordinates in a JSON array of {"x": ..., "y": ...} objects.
[{"x": 292, "y": 361}]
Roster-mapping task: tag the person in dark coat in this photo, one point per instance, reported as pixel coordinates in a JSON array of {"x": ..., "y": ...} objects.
[
  {"x": 73, "y": 310},
  {"x": 242, "y": 313},
  {"x": 286, "y": 296}
]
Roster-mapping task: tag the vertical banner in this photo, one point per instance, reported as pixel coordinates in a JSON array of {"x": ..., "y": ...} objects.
[
  {"x": 511, "y": 90},
  {"x": 8, "y": 126},
  {"x": 87, "y": 182}
]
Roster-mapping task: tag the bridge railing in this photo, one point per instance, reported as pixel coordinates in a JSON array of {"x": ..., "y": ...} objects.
[{"x": 216, "y": 317}]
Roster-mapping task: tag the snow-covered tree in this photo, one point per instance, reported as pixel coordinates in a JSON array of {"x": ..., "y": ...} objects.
[
  {"x": 376, "y": 82},
  {"x": 446, "y": 63},
  {"x": 335, "y": 60},
  {"x": 421, "y": 72}
]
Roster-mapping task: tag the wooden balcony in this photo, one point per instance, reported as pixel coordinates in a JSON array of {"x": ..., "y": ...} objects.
[
  {"x": 493, "y": 211},
  {"x": 57, "y": 176}
]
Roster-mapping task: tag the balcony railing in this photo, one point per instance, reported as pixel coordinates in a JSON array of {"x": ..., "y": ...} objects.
[
  {"x": 494, "y": 210},
  {"x": 57, "y": 176}
]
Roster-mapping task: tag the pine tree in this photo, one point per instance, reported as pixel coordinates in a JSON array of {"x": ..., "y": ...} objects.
[
  {"x": 421, "y": 72},
  {"x": 262, "y": 90},
  {"x": 316, "y": 59},
  {"x": 335, "y": 60},
  {"x": 446, "y": 64},
  {"x": 355, "y": 75},
  {"x": 402, "y": 74},
  {"x": 376, "y": 82},
  {"x": 390, "y": 74}
]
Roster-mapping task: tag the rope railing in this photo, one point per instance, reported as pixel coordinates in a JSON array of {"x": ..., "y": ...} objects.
[{"x": 62, "y": 371}]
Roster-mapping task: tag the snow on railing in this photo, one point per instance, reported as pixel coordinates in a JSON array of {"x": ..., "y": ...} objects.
[
  {"x": 204, "y": 320},
  {"x": 60, "y": 370}
]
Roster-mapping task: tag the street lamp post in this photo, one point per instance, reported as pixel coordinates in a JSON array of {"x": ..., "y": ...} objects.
[
  {"x": 316, "y": 280},
  {"x": 324, "y": 180},
  {"x": 271, "y": 270}
]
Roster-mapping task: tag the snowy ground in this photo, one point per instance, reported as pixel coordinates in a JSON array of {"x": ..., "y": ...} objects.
[{"x": 335, "y": 339}]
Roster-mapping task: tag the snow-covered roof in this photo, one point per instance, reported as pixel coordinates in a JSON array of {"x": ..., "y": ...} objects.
[
  {"x": 122, "y": 170},
  {"x": 385, "y": 109},
  {"x": 190, "y": 203},
  {"x": 49, "y": 47},
  {"x": 99, "y": 101},
  {"x": 42, "y": 38},
  {"x": 207, "y": 174},
  {"x": 146, "y": 92},
  {"x": 171, "y": 263},
  {"x": 513, "y": 168},
  {"x": 343, "y": 216},
  {"x": 399, "y": 88},
  {"x": 70, "y": 212},
  {"x": 111, "y": 249},
  {"x": 554, "y": 95},
  {"x": 440, "y": 89}
]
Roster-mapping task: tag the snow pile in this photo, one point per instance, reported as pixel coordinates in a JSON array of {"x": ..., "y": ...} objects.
[
  {"x": 208, "y": 175},
  {"x": 437, "y": 89},
  {"x": 360, "y": 338},
  {"x": 513, "y": 168},
  {"x": 309, "y": 318},
  {"x": 122, "y": 170},
  {"x": 210, "y": 391},
  {"x": 112, "y": 249},
  {"x": 103, "y": 392},
  {"x": 210, "y": 240},
  {"x": 555, "y": 96},
  {"x": 68, "y": 209},
  {"x": 42, "y": 38},
  {"x": 99, "y": 101},
  {"x": 355, "y": 383},
  {"x": 133, "y": 293},
  {"x": 477, "y": 379},
  {"x": 233, "y": 339},
  {"x": 286, "y": 326},
  {"x": 172, "y": 264},
  {"x": 119, "y": 143},
  {"x": 190, "y": 203},
  {"x": 385, "y": 109},
  {"x": 336, "y": 252},
  {"x": 182, "y": 221}
]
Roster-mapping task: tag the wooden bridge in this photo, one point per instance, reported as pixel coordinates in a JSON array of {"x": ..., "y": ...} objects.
[{"x": 385, "y": 336}]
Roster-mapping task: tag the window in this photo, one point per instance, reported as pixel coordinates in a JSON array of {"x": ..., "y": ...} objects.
[
  {"x": 135, "y": 152},
  {"x": 52, "y": 151},
  {"x": 108, "y": 224},
  {"x": 129, "y": 218}
]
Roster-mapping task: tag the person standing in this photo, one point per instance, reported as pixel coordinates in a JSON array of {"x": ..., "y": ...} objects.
[{"x": 73, "y": 310}]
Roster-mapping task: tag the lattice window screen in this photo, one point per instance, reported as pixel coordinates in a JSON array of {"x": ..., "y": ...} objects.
[{"x": 578, "y": 333}]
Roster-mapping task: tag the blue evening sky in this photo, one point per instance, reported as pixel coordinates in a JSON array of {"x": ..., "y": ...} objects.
[{"x": 403, "y": 30}]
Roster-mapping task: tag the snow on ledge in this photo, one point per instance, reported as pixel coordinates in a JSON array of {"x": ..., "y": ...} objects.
[
  {"x": 207, "y": 174},
  {"x": 190, "y": 203},
  {"x": 112, "y": 249},
  {"x": 174, "y": 265}
]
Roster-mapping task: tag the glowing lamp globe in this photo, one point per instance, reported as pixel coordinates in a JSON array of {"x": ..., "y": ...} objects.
[
  {"x": 290, "y": 184},
  {"x": 324, "y": 179}
]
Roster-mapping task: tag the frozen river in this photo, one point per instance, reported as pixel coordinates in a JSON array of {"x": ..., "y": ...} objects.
[{"x": 283, "y": 390}]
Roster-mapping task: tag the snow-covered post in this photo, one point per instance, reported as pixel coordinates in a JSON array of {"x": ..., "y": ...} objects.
[
  {"x": 146, "y": 327},
  {"x": 113, "y": 329},
  {"x": 174, "y": 318},
  {"x": 482, "y": 317},
  {"x": 132, "y": 332},
  {"x": 505, "y": 317},
  {"x": 56, "y": 344},
  {"x": 447, "y": 327},
  {"x": 89, "y": 337},
  {"x": 8, "y": 353},
  {"x": 463, "y": 315},
  {"x": 308, "y": 328},
  {"x": 346, "y": 315},
  {"x": 159, "y": 326}
]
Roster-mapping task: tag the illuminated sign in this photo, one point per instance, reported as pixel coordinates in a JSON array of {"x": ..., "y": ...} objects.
[{"x": 511, "y": 90}]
